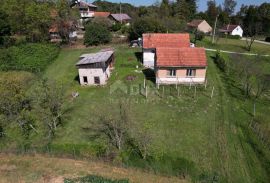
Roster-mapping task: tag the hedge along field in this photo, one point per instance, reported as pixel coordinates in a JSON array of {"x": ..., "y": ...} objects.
[{"x": 29, "y": 57}]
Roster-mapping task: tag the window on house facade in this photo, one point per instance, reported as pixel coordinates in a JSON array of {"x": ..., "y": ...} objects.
[
  {"x": 191, "y": 72},
  {"x": 85, "y": 80},
  {"x": 171, "y": 72},
  {"x": 97, "y": 80}
]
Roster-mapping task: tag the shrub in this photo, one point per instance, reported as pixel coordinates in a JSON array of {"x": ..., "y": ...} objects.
[
  {"x": 200, "y": 36},
  {"x": 93, "y": 179},
  {"x": 220, "y": 62},
  {"x": 96, "y": 34},
  {"x": 116, "y": 27},
  {"x": 29, "y": 57},
  {"x": 267, "y": 39},
  {"x": 230, "y": 36}
]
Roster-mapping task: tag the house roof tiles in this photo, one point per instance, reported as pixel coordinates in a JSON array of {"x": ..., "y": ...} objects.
[
  {"x": 102, "y": 14},
  {"x": 181, "y": 57},
  {"x": 228, "y": 28},
  {"x": 195, "y": 23},
  {"x": 155, "y": 40},
  {"x": 102, "y": 56},
  {"x": 119, "y": 17}
]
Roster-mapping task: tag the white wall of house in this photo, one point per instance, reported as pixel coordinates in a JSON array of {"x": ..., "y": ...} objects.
[
  {"x": 181, "y": 80},
  {"x": 148, "y": 58},
  {"x": 237, "y": 31},
  {"x": 90, "y": 73}
]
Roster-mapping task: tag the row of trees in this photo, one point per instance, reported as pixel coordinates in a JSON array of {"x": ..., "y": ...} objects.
[
  {"x": 35, "y": 114},
  {"x": 250, "y": 74},
  {"x": 33, "y": 18}
]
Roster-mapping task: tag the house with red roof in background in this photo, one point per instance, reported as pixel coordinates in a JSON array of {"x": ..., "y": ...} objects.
[
  {"x": 234, "y": 30},
  {"x": 173, "y": 60},
  {"x": 102, "y": 14},
  {"x": 200, "y": 25}
]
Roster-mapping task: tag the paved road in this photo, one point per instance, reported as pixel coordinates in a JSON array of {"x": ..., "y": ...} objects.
[
  {"x": 257, "y": 41},
  {"x": 232, "y": 52}
]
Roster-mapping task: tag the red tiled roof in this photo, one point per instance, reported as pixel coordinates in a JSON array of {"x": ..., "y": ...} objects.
[
  {"x": 228, "y": 28},
  {"x": 195, "y": 23},
  {"x": 155, "y": 40},
  {"x": 102, "y": 14},
  {"x": 181, "y": 57}
]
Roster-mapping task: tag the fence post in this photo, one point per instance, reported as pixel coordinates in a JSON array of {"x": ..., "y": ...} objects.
[{"x": 212, "y": 94}]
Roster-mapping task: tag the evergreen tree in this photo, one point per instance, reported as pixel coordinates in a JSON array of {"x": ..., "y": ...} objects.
[{"x": 229, "y": 6}]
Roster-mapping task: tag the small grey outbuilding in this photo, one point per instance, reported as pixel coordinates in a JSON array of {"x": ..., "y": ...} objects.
[{"x": 95, "y": 68}]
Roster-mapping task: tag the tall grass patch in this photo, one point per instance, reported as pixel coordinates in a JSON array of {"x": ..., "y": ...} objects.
[{"x": 28, "y": 57}]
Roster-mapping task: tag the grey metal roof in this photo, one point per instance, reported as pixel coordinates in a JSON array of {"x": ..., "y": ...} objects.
[
  {"x": 91, "y": 58},
  {"x": 120, "y": 17}
]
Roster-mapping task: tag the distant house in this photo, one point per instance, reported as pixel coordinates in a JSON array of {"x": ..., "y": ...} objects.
[
  {"x": 152, "y": 41},
  {"x": 55, "y": 35},
  {"x": 232, "y": 30},
  {"x": 95, "y": 68},
  {"x": 200, "y": 25},
  {"x": 102, "y": 14},
  {"x": 180, "y": 66},
  {"x": 87, "y": 11},
  {"x": 120, "y": 18}
]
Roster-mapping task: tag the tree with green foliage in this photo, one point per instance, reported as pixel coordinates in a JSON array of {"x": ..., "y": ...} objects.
[
  {"x": 229, "y": 6},
  {"x": 66, "y": 19},
  {"x": 165, "y": 9},
  {"x": 145, "y": 25},
  {"x": 49, "y": 104},
  {"x": 264, "y": 13},
  {"x": 14, "y": 102},
  {"x": 96, "y": 34},
  {"x": 5, "y": 29},
  {"x": 212, "y": 12}
]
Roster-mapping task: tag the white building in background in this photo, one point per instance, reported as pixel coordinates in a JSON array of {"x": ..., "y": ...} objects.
[{"x": 234, "y": 30}]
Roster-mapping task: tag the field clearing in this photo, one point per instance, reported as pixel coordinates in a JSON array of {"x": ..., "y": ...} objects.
[
  {"x": 183, "y": 126},
  {"x": 233, "y": 45}
]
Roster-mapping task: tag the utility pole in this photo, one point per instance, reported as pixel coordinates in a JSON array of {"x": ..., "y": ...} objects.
[
  {"x": 121, "y": 12},
  {"x": 214, "y": 33}
]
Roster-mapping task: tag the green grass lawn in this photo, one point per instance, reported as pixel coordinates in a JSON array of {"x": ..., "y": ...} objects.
[
  {"x": 207, "y": 132},
  {"x": 233, "y": 45}
]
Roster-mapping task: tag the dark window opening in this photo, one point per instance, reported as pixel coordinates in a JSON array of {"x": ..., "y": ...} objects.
[
  {"x": 96, "y": 80},
  {"x": 191, "y": 72},
  {"x": 85, "y": 80},
  {"x": 171, "y": 72}
]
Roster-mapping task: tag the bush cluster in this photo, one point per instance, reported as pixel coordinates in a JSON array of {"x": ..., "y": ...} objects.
[
  {"x": 93, "y": 179},
  {"x": 220, "y": 62},
  {"x": 230, "y": 36},
  {"x": 96, "y": 34},
  {"x": 200, "y": 36},
  {"x": 28, "y": 57}
]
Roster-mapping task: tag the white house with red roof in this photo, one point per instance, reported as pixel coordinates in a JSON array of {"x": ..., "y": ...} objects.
[
  {"x": 152, "y": 41},
  {"x": 180, "y": 65},
  {"x": 232, "y": 30}
]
